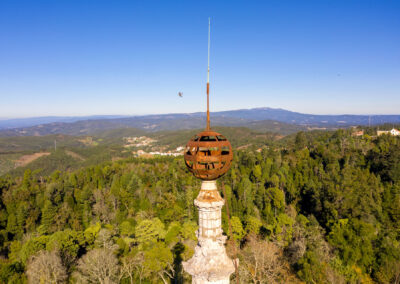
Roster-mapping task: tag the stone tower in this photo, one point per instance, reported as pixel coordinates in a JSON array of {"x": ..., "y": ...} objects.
[
  {"x": 208, "y": 156},
  {"x": 209, "y": 264}
]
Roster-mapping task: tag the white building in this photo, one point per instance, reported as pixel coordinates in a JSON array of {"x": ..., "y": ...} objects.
[{"x": 393, "y": 132}]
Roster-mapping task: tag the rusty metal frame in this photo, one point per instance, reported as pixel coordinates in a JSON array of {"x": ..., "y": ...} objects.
[{"x": 208, "y": 155}]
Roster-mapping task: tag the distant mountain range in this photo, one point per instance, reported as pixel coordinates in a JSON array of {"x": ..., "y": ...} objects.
[
  {"x": 32, "y": 121},
  {"x": 262, "y": 119}
]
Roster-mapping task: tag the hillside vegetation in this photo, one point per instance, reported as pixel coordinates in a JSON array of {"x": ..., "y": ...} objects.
[
  {"x": 321, "y": 207},
  {"x": 74, "y": 152}
]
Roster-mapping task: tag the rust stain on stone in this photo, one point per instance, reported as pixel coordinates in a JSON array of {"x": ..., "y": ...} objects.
[{"x": 209, "y": 196}]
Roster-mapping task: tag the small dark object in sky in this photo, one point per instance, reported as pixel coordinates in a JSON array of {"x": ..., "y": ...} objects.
[{"x": 180, "y": 94}]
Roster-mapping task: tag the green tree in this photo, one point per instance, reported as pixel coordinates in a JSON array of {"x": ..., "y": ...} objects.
[
  {"x": 253, "y": 225},
  {"x": 237, "y": 228},
  {"x": 159, "y": 261},
  {"x": 149, "y": 231}
]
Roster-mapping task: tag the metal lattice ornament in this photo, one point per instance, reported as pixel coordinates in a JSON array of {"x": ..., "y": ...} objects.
[{"x": 208, "y": 155}]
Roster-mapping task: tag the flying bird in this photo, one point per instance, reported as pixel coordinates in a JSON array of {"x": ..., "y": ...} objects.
[{"x": 180, "y": 94}]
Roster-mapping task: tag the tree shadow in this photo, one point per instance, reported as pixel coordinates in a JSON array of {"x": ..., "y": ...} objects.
[{"x": 177, "y": 251}]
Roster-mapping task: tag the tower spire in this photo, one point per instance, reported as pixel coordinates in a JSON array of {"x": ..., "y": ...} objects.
[
  {"x": 208, "y": 156},
  {"x": 208, "y": 77}
]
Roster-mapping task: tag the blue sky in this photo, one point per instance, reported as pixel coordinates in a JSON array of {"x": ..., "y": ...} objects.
[{"x": 133, "y": 57}]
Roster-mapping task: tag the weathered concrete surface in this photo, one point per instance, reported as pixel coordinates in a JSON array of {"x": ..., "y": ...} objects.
[{"x": 210, "y": 263}]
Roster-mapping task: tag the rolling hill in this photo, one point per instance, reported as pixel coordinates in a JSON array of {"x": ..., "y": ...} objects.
[
  {"x": 260, "y": 119},
  {"x": 31, "y": 121},
  {"x": 38, "y": 152}
]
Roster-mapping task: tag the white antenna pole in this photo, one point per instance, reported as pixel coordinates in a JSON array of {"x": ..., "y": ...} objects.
[
  {"x": 208, "y": 77},
  {"x": 209, "y": 32}
]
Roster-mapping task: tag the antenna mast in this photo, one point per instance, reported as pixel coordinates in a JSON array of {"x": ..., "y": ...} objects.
[{"x": 208, "y": 77}]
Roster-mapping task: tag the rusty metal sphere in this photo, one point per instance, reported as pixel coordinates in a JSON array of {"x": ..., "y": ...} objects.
[{"x": 208, "y": 155}]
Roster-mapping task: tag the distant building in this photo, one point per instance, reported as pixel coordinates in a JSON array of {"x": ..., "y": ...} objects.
[
  {"x": 381, "y": 132},
  {"x": 180, "y": 148},
  {"x": 393, "y": 132},
  {"x": 138, "y": 141},
  {"x": 358, "y": 133},
  {"x": 143, "y": 154}
]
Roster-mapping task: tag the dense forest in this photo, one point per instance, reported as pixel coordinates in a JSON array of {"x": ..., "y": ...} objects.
[{"x": 319, "y": 207}]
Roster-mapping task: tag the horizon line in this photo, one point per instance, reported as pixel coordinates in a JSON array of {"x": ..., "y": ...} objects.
[{"x": 195, "y": 112}]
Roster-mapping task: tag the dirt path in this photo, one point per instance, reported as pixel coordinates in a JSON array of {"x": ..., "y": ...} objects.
[
  {"x": 243, "y": 147},
  {"x": 26, "y": 159},
  {"x": 75, "y": 155}
]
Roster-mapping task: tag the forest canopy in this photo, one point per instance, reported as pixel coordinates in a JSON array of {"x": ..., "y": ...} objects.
[{"x": 319, "y": 207}]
